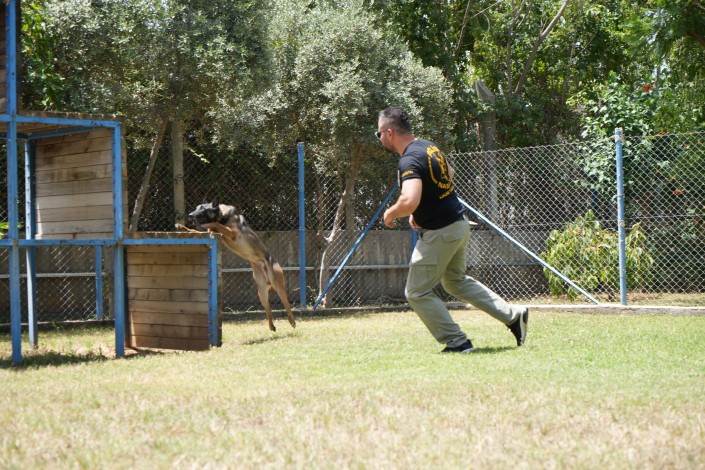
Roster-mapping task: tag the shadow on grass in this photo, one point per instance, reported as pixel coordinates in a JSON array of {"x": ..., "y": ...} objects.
[
  {"x": 495, "y": 350},
  {"x": 38, "y": 359},
  {"x": 273, "y": 337}
]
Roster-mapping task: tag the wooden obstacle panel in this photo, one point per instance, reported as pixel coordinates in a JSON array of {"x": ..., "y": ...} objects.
[
  {"x": 168, "y": 296},
  {"x": 73, "y": 182}
]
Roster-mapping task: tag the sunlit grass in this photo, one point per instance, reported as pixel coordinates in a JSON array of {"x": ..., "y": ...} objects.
[{"x": 366, "y": 391}]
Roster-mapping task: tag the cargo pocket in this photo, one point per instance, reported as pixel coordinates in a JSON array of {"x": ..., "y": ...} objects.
[{"x": 423, "y": 275}]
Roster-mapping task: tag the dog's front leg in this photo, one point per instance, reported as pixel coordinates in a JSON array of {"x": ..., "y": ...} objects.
[
  {"x": 222, "y": 229},
  {"x": 183, "y": 228}
]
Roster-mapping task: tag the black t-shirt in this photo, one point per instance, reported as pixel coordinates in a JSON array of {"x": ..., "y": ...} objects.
[{"x": 439, "y": 204}]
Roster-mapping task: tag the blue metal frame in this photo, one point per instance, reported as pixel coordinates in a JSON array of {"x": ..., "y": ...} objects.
[{"x": 118, "y": 242}]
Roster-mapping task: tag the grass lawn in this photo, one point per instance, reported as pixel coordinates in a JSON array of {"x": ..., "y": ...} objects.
[{"x": 366, "y": 391}]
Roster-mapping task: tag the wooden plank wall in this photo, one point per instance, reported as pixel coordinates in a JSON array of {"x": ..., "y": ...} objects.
[
  {"x": 74, "y": 195},
  {"x": 167, "y": 291}
]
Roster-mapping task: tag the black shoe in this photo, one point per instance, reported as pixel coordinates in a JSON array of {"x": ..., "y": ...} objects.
[
  {"x": 464, "y": 348},
  {"x": 518, "y": 328}
]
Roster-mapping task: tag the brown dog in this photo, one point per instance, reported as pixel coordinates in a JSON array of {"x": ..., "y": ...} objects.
[{"x": 244, "y": 242}]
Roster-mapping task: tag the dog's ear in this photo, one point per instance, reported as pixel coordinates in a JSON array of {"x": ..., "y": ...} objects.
[{"x": 215, "y": 203}]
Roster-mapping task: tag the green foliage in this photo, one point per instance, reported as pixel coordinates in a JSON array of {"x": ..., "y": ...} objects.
[
  {"x": 333, "y": 70},
  {"x": 46, "y": 86},
  {"x": 150, "y": 59},
  {"x": 647, "y": 108},
  {"x": 5, "y": 226},
  {"x": 589, "y": 256}
]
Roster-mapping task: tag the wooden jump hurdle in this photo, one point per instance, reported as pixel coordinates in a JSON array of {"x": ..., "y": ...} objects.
[{"x": 168, "y": 293}]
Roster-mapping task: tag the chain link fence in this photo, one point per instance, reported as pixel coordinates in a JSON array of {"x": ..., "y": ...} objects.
[
  {"x": 527, "y": 193},
  {"x": 533, "y": 195},
  {"x": 665, "y": 194}
]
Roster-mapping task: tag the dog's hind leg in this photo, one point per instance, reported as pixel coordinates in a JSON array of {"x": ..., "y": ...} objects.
[
  {"x": 262, "y": 281},
  {"x": 279, "y": 285}
]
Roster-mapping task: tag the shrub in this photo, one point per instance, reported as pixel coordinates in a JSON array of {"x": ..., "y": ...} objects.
[{"x": 588, "y": 255}]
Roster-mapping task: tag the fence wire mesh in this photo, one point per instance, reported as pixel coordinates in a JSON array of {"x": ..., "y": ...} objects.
[
  {"x": 530, "y": 194},
  {"x": 527, "y": 193},
  {"x": 665, "y": 194}
]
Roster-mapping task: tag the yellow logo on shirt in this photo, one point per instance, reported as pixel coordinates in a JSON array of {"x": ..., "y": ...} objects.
[{"x": 442, "y": 179}]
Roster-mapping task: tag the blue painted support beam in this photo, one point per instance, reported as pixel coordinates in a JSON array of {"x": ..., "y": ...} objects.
[
  {"x": 167, "y": 241},
  {"x": 302, "y": 230},
  {"x": 63, "y": 242},
  {"x": 619, "y": 142},
  {"x": 30, "y": 233},
  {"x": 59, "y": 133},
  {"x": 12, "y": 175},
  {"x": 119, "y": 299},
  {"x": 357, "y": 243},
  {"x": 213, "y": 301},
  {"x": 59, "y": 121},
  {"x": 103, "y": 242},
  {"x": 99, "y": 282},
  {"x": 118, "y": 235},
  {"x": 527, "y": 251}
]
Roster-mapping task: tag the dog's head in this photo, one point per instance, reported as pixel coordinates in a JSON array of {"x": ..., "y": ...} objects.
[{"x": 206, "y": 213}]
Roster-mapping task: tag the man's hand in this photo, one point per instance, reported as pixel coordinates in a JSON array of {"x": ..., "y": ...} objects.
[
  {"x": 412, "y": 223},
  {"x": 406, "y": 204},
  {"x": 388, "y": 219}
]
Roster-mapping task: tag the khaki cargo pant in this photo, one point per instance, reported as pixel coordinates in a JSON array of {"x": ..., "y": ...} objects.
[{"x": 439, "y": 256}]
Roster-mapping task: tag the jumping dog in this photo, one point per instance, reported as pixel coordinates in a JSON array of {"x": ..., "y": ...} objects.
[{"x": 244, "y": 242}]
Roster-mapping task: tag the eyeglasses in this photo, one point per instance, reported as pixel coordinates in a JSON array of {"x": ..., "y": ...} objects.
[{"x": 379, "y": 133}]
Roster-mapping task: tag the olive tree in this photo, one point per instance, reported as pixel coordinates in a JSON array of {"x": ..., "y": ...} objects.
[
  {"x": 161, "y": 63},
  {"x": 333, "y": 71}
]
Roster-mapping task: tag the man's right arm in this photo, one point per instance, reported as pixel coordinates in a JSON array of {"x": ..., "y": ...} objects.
[{"x": 407, "y": 203}]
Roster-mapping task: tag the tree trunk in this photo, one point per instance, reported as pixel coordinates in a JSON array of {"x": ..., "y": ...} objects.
[
  {"x": 177, "y": 159},
  {"x": 324, "y": 277},
  {"x": 535, "y": 48},
  {"x": 350, "y": 214},
  {"x": 142, "y": 195},
  {"x": 488, "y": 128}
]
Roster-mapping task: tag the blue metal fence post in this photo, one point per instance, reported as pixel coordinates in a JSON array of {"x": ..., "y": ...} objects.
[
  {"x": 619, "y": 142},
  {"x": 99, "y": 282},
  {"x": 30, "y": 232},
  {"x": 12, "y": 174},
  {"x": 302, "y": 230}
]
